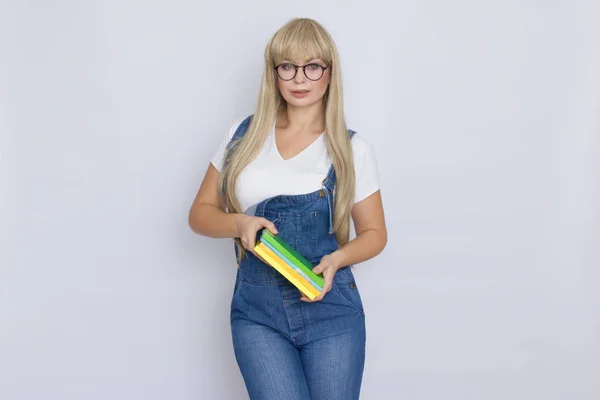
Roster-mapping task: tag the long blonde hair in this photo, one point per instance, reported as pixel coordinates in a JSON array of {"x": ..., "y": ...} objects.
[{"x": 300, "y": 38}]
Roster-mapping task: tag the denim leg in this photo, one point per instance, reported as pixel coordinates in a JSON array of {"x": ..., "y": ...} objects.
[
  {"x": 270, "y": 364},
  {"x": 334, "y": 365}
]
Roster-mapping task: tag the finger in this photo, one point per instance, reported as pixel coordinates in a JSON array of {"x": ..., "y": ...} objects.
[
  {"x": 319, "y": 296},
  {"x": 273, "y": 229},
  {"x": 269, "y": 225},
  {"x": 325, "y": 290},
  {"x": 306, "y": 299},
  {"x": 326, "y": 287},
  {"x": 251, "y": 242}
]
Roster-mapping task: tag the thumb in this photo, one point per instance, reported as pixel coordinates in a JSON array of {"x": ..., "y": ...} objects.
[{"x": 318, "y": 269}]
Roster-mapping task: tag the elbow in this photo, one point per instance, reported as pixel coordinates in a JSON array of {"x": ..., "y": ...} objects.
[
  {"x": 194, "y": 220},
  {"x": 383, "y": 238}
]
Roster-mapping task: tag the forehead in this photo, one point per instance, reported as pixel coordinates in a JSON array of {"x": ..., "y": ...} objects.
[{"x": 299, "y": 51}]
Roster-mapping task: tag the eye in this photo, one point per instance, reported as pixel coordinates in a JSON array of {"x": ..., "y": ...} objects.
[
  {"x": 313, "y": 66},
  {"x": 287, "y": 66}
]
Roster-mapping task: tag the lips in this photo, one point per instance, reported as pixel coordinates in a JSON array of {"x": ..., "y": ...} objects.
[{"x": 299, "y": 94}]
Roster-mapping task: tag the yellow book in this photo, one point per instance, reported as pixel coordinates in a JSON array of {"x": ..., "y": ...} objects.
[{"x": 280, "y": 265}]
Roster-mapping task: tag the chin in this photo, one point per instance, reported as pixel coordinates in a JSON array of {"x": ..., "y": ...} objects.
[
  {"x": 300, "y": 102},
  {"x": 296, "y": 103}
]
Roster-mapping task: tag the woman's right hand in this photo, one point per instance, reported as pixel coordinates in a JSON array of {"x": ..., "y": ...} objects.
[{"x": 247, "y": 226}]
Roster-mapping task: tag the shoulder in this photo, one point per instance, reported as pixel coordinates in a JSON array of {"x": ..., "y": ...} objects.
[
  {"x": 359, "y": 142},
  {"x": 361, "y": 148},
  {"x": 224, "y": 145},
  {"x": 365, "y": 167},
  {"x": 238, "y": 123}
]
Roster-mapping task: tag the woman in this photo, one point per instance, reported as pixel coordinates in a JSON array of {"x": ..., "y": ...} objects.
[{"x": 294, "y": 168}]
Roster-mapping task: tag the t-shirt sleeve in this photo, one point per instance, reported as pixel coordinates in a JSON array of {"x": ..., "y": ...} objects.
[
  {"x": 365, "y": 167},
  {"x": 219, "y": 152}
]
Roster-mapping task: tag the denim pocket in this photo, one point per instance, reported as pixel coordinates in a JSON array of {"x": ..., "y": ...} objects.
[
  {"x": 345, "y": 286},
  {"x": 277, "y": 218}
]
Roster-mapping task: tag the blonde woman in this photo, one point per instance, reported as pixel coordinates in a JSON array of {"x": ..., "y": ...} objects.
[{"x": 293, "y": 167}]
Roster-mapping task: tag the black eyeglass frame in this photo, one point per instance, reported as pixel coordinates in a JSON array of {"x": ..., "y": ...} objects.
[{"x": 303, "y": 70}]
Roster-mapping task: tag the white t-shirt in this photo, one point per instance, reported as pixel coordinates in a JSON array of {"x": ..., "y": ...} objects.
[{"x": 300, "y": 174}]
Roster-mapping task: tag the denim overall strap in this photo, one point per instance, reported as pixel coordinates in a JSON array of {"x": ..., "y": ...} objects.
[
  {"x": 232, "y": 145},
  {"x": 239, "y": 133},
  {"x": 329, "y": 183}
]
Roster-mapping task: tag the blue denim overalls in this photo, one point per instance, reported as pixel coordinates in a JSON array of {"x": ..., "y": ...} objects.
[{"x": 288, "y": 349}]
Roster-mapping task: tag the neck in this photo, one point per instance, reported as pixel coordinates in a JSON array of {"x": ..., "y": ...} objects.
[{"x": 306, "y": 118}]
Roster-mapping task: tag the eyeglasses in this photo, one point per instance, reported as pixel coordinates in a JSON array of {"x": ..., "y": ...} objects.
[{"x": 312, "y": 71}]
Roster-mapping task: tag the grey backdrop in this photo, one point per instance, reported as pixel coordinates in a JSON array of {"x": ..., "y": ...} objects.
[{"x": 484, "y": 116}]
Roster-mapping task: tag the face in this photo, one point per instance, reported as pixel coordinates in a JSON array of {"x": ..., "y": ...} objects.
[{"x": 301, "y": 91}]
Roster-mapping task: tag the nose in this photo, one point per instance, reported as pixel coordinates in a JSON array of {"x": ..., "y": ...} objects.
[{"x": 300, "y": 77}]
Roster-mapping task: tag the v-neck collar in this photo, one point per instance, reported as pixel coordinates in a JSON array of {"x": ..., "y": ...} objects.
[{"x": 303, "y": 151}]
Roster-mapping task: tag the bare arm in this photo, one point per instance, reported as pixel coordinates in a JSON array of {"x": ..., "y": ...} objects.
[
  {"x": 208, "y": 217},
  {"x": 371, "y": 232}
]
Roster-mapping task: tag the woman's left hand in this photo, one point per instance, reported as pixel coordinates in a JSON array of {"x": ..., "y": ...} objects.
[{"x": 328, "y": 266}]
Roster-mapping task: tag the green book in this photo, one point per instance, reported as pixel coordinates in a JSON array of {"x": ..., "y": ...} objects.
[
  {"x": 292, "y": 255},
  {"x": 291, "y": 264}
]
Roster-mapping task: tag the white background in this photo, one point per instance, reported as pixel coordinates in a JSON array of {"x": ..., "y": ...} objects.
[{"x": 485, "y": 120}]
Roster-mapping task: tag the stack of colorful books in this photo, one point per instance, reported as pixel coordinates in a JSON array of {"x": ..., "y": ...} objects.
[{"x": 291, "y": 264}]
